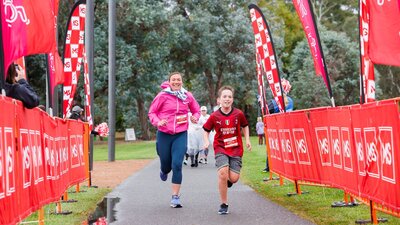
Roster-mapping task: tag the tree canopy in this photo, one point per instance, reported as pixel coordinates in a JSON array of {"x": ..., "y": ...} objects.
[{"x": 211, "y": 42}]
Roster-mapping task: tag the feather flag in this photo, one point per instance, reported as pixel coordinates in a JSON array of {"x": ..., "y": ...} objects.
[
  {"x": 367, "y": 77},
  {"x": 55, "y": 65},
  {"x": 306, "y": 15},
  {"x": 73, "y": 54},
  {"x": 26, "y": 29},
  {"x": 384, "y": 33},
  {"x": 265, "y": 55}
]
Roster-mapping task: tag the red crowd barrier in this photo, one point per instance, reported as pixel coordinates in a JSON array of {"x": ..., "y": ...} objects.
[
  {"x": 40, "y": 157},
  {"x": 355, "y": 148}
]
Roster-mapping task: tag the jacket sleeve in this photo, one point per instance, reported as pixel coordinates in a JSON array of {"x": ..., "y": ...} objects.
[
  {"x": 25, "y": 93},
  {"x": 153, "y": 110}
]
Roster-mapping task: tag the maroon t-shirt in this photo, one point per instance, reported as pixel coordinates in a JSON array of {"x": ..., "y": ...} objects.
[{"x": 228, "y": 138}]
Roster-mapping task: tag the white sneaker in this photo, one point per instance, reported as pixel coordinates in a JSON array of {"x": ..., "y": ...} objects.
[{"x": 185, "y": 162}]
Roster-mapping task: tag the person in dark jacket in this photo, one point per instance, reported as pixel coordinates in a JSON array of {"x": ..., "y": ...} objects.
[
  {"x": 76, "y": 113},
  {"x": 18, "y": 88}
]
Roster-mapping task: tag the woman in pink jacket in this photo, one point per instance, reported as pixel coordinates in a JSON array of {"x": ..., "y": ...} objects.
[{"x": 169, "y": 113}]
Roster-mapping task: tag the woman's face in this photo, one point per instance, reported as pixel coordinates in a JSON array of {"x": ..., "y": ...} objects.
[{"x": 175, "y": 82}]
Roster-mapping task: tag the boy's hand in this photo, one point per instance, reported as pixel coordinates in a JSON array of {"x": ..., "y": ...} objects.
[
  {"x": 206, "y": 144},
  {"x": 248, "y": 145}
]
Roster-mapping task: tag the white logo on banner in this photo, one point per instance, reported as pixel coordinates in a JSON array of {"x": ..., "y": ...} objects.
[
  {"x": 258, "y": 40},
  {"x": 9, "y": 171},
  {"x": 15, "y": 12},
  {"x": 347, "y": 159},
  {"x": 371, "y": 152},
  {"x": 323, "y": 145},
  {"x": 301, "y": 146},
  {"x": 274, "y": 144},
  {"x": 360, "y": 151},
  {"x": 260, "y": 24},
  {"x": 388, "y": 163},
  {"x": 336, "y": 147},
  {"x": 286, "y": 144}
]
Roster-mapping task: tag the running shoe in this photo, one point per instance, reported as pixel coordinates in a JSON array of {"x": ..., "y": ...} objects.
[
  {"x": 163, "y": 176},
  {"x": 176, "y": 202},
  {"x": 229, "y": 184},
  {"x": 223, "y": 209}
]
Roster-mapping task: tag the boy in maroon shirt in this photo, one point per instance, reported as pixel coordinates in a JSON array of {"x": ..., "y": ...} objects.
[{"x": 228, "y": 146}]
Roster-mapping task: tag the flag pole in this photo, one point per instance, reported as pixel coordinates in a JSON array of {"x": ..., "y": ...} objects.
[{"x": 111, "y": 79}]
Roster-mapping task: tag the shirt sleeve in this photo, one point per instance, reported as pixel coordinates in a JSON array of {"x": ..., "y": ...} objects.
[
  {"x": 209, "y": 125},
  {"x": 243, "y": 120}
]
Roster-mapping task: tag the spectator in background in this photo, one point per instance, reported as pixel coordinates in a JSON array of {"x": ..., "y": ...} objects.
[
  {"x": 76, "y": 113},
  {"x": 260, "y": 131},
  {"x": 18, "y": 88},
  {"x": 202, "y": 120}
]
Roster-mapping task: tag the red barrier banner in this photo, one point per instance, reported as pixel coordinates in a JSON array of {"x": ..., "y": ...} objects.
[
  {"x": 275, "y": 155},
  {"x": 77, "y": 152},
  {"x": 333, "y": 139},
  {"x": 8, "y": 195},
  {"x": 290, "y": 146},
  {"x": 30, "y": 169},
  {"x": 40, "y": 157},
  {"x": 353, "y": 148},
  {"x": 377, "y": 146}
]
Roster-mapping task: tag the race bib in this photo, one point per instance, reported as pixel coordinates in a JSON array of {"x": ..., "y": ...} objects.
[
  {"x": 181, "y": 119},
  {"x": 231, "y": 142}
]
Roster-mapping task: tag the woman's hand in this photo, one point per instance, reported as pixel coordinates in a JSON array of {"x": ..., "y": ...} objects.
[
  {"x": 162, "y": 122},
  {"x": 193, "y": 119}
]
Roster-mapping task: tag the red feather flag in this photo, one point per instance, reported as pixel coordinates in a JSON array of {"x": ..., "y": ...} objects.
[
  {"x": 367, "y": 66},
  {"x": 265, "y": 55},
  {"x": 27, "y": 28},
  {"x": 73, "y": 54}
]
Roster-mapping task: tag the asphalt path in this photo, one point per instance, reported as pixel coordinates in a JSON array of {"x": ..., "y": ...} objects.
[{"x": 145, "y": 199}]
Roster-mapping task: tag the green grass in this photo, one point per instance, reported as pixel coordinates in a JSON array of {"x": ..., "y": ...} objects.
[
  {"x": 87, "y": 203},
  {"x": 126, "y": 150},
  {"x": 314, "y": 206}
]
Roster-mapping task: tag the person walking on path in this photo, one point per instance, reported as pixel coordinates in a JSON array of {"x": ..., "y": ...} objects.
[
  {"x": 228, "y": 146},
  {"x": 202, "y": 120},
  {"x": 169, "y": 114},
  {"x": 260, "y": 131}
]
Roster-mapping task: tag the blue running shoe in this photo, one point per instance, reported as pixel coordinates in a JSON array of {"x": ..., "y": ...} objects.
[
  {"x": 176, "y": 202},
  {"x": 223, "y": 209},
  {"x": 163, "y": 176}
]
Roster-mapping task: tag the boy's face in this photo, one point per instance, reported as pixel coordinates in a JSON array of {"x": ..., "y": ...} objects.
[{"x": 226, "y": 98}]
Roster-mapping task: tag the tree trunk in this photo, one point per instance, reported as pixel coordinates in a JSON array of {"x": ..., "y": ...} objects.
[
  {"x": 210, "y": 88},
  {"x": 143, "y": 119}
]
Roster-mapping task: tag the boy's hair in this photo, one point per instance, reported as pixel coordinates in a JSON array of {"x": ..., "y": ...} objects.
[
  {"x": 173, "y": 73},
  {"x": 226, "y": 87}
]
